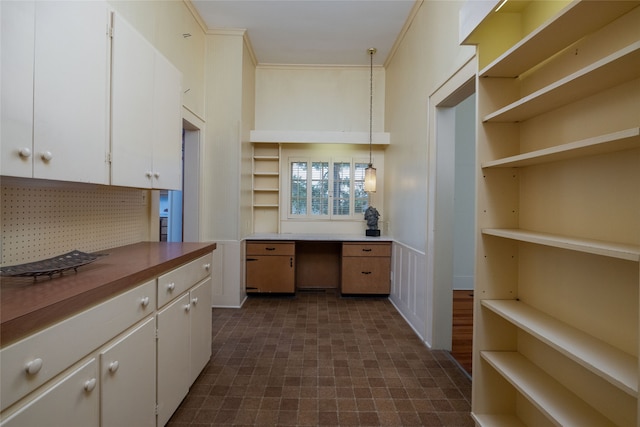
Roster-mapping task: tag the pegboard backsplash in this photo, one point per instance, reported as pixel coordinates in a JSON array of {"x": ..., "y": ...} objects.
[{"x": 44, "y": 219}]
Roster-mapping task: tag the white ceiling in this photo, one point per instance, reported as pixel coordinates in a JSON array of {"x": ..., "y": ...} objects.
[{"x": 312, "y": 32}]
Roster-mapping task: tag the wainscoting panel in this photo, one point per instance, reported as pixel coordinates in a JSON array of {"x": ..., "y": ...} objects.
[{"x": 409, "y": 289}]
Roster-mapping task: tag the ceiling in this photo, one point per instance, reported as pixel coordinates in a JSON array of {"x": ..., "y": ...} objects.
[{"x": 312, "y": 32}]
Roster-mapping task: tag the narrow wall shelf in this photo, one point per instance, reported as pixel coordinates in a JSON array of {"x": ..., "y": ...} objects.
[
  {"x": 612, "y": 70},
  {"x": 597, "y": 247},
  {"x": 549, "y": 396},
  {"x": 556, "y": 34},
  {"x": 618, "y": 141},
  {"x": 610, "y": 363}
]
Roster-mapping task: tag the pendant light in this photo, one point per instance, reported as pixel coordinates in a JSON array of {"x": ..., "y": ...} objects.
[{"x": 370, "y": 171}]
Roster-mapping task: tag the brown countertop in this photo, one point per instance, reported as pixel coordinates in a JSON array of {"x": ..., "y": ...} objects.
[{"x": 27, "y": 306}]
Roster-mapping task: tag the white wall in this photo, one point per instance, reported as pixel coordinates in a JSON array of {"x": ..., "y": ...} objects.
[
  {"x": 464, "y": 195},
  {"x": 426, "y": 58}
]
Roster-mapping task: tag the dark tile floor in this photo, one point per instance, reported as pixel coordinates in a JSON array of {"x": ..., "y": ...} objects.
[{"x": 320, "y": 359}]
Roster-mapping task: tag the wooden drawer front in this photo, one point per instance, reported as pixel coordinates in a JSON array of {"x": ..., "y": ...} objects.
[
  {"x": 382, "y": 249},
  {"x": 271, "y": 248},
  {"x": 177, "y": 281},
  {"x": 366, "y": 275},
  {"x": 63, "y": 344}
]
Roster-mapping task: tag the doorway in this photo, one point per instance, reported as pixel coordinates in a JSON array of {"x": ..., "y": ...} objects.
[
  {"x": 180, "y": 210},
  {"x": 451, "y": 214}
]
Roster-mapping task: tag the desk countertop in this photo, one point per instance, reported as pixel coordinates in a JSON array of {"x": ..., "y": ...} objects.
[
  {"x": 27, "y": 305},
  {"x": 318, "y": 237}
]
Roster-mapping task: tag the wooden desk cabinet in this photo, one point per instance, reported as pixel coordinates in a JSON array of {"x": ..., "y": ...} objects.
[
  {"x": 270, "y": 267},
  {"x": 366, "y": 268}
]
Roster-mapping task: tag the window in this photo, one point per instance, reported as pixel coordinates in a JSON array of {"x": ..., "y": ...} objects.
[{"x": 337, "y": 189}]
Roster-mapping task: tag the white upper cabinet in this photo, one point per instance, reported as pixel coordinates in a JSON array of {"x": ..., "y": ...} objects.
[
  {"x": 146, "y": 143},
  {"x": 55, "y": 90}
]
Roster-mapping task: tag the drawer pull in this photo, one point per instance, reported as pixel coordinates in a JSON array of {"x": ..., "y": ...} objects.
[
  {"x": 90, "y": 385},
  {"x": 366, "y": 250},
  {"x": 270, "y": 249},
  {"x": 366, "y": 272},
  {"x": 113, "y": 366},
  {"x": 252, "y": 259},
  {"x": 171, "y": 287},
  {"x": 144, "y": 302},
  {"x": 194, "y": 301},
  {"x": 207, "y": 266},
  {"x": 34, "y": 366}
]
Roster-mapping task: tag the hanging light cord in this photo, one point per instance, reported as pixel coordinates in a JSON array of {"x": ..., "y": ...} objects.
[{"x": 372, "y": 50}]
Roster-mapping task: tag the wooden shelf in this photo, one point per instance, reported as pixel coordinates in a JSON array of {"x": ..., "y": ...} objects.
[
  {"x": 608, "y": 72},
  {"x": 266, "y": 174},
  {"x": 623, "y": 140},
  {"x": 490, "y": 420},
  {"x": 597, "y": 247},
  {"x": 266, "y": 205},
  {"x": 266, "y": 158},
  {"x": 549, "y": 396},
  {"x": 610, "y": 363},
  {"x": 556, "y": 34},
  {"x": 266, "y": 190}
]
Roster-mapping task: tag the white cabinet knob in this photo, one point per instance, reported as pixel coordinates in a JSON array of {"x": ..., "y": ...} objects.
[
  {"x": 34, "y": 366},
  {"x": 194, "y": 301},
  {"x": 46, "y": 156},
  {"x": 148, "y": 174},
  {"x": 207, "y": 266},
  {"x": 171, "y": 287},
  {"x": 144, "y": 302},
  {"x": 25, "y": 152},
  {"x": 187, "y": 307},
  {"x": 113, "y": 366},
  {"x": 90, "y": 385},
  {"x": 156, "y": 175}
]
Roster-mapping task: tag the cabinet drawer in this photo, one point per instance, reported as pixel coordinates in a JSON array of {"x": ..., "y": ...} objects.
[
  {"x": 54, "y": 349},
  {"x": 366, "y": 275},
  {"x": 382, "y": 249},
  {"x": 177, "y": 281},
  {"x": 271, "y": 248}
]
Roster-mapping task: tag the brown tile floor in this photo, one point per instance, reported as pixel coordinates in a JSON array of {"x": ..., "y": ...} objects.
[{"x": 321, "y": 359}]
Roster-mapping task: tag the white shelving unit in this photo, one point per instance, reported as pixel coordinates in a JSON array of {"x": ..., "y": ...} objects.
[
  {"x": 556, "y": 326},
  {"x": 266, "y": 187}
]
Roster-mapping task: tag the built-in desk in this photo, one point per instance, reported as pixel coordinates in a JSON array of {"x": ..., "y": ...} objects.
[{"x": 285, "y": 263}]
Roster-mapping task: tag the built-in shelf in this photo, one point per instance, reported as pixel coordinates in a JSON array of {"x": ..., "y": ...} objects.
[
  {"x": 266, "y": 190},
  {"x": 618, "y": 141},
  {"x": 597, "y": 247},
  {"x": 318, "y": 137},
  {"x": 265, "y": 205},
  {"x": 612, "y": 70},
  {"x": 257, "y": 173},
  {"x": 491, "y": 420},
  {"x": 615, "y": 366},
  {"x": 555, "y": 401},
  {"x": 556, "y": 34},
  {"x": 266, "y": 187},
  {"x": 276, "y": 158}
]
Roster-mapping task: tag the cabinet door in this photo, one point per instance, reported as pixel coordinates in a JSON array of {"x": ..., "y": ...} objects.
[
  {"x": 167, "y": 126},
  {"x": 270, "y": 273},
  {"x": 200, "y": 327},
  {"x": 71, "y": 401},
  {"x": 128, "y": 379},
  {"x": 17, "y": 29},
  {"x": 173, "y": 356},
  {"x": 71, "y": 89},
  {"x": 132, "y": 114}
]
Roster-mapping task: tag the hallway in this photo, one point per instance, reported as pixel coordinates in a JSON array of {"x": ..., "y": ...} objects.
[{"x": 320, "y": 359}]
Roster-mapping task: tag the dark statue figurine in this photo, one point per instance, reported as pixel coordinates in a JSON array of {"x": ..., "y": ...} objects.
[{"x": 371, "y": 215}]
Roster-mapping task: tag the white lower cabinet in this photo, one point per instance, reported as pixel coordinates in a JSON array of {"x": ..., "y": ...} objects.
[
  {"x": 72, "y": 400},
  {"x": 173, "y": 356},
  {"x": 128, "y": 378},
  {"x": 128, "y": 361},
  {"x": 200, "y": 327}
]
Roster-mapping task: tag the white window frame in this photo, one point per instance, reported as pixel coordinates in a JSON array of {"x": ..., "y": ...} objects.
[{"x": 331, "y": 161}]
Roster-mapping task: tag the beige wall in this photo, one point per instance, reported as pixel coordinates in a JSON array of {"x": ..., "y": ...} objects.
[{"x": 426, "y": 57}]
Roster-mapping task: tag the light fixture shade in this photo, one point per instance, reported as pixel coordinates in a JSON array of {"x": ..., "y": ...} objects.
[{"x": 370, "y": 179}]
